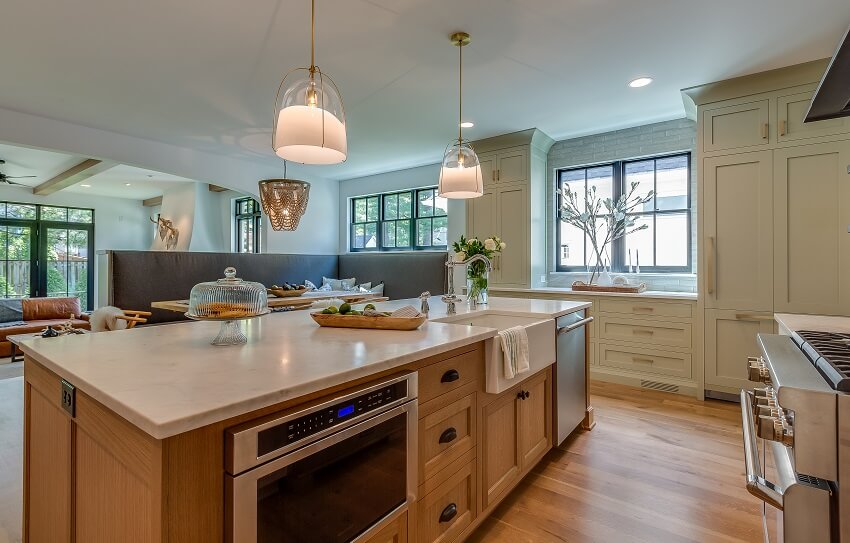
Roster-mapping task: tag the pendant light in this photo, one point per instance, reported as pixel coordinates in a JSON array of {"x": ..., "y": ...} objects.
[
  {"x": 309, "y": 120},
  {"x": 284, "y": 201},
  {"x": 460, "y": 174}
]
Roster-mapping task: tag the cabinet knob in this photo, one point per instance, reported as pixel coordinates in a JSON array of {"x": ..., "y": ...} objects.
[
  {"x": 523, "y": 394},
  {"x": 449, "y": 376},
  {"x": 448, "y": 435},
  {"x": 448, "y": 513}
]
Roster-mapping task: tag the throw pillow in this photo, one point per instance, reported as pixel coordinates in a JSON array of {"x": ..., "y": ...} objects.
[
  {"x": 377, "y": 289},
  {"x": 339, "y": 284},
  {"x": 11, "y": 310}
]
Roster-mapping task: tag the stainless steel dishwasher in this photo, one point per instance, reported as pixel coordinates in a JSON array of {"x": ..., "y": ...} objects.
[{"x": 571, "y": 378}]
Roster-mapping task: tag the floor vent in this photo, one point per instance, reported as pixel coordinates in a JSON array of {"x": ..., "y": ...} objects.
[{"x": 657, "y": 385}]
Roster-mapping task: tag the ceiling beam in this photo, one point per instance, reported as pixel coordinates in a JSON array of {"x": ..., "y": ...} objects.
[
  {"x": 73, "y": 175},
  {"x": 152, "y": 202},
  {"x": 216, "y": 188}
]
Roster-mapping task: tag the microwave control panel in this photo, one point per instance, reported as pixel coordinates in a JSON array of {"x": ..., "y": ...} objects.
[{"x": 327, "y": 417}]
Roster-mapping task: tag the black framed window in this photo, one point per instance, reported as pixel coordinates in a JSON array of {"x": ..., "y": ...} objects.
[
  {"x": 46, "y": 251},
  {"x": 248, "y": 221},
  {"x": 665, "y": 245},
  {"x": 399, "y": 221}
]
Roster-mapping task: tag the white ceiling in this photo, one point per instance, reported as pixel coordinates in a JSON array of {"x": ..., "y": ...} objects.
[
  {"x": 203, "y": 73},
  {"x": 112, "y": 182}
]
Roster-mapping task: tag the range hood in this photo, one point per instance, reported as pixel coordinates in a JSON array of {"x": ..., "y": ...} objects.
[{"x": 832, "y": 98}]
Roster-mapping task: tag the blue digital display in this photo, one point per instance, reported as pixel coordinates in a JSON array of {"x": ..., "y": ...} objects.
[{"x": 345, "y": 411}]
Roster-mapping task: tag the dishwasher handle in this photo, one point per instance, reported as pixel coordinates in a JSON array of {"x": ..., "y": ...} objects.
[{"x": 573, "y": 326}]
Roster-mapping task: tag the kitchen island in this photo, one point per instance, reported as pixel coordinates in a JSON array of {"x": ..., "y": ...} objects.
[{"x": 126, "y": 431}]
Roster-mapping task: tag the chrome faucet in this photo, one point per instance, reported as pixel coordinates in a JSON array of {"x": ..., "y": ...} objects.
[{"x": 450, "y": 298}]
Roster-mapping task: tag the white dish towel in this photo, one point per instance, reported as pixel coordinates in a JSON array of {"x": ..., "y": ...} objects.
[{"x": 515, "y": 348}]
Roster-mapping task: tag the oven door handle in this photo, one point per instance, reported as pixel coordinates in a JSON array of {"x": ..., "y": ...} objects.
[{"x": 757, "y": 485}]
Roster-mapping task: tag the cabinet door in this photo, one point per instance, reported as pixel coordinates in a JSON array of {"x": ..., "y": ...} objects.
[
  {"x": 730, "y": 337},
  {"x": 513, "y": 166},
  {"x": 736, "y": 127},
  {"x": 535, "y": 423},
  {"x": 812, "y": 251},
  {"x": 488, "y": 168},
  {"x": 499, "y": 454},
  {"x": 481, "y": 216},
  {"x": 738, "y": 245},
  {"x": 394, "y": 532},
  {"x": 791, "y": 110},
  {"x": 512, "y": 267},
  {"x": 47, "y": 468}
]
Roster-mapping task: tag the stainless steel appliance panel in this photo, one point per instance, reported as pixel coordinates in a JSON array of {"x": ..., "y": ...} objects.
[{"x": 571, "y": 377}]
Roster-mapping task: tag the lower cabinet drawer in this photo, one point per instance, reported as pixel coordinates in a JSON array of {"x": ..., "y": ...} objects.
[
  {"x": 647, "y": 308},
  {"x": 445, "y": 435},
  {"x": 446, "y": 511},
  {"x": 670, "y": 334},
  {"x": 645, "y": 360},
  {"x": 450, "y": 374}
]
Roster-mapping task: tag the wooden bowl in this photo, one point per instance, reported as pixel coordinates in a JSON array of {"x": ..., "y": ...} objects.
[
  {"x": 368, "y": 322},
  {"x": 281, "y": 293}
]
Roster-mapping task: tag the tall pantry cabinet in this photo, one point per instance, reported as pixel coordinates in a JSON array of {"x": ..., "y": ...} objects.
[
  {"x": 513, "y": 206},
  {"x": 774, "y": 212}
]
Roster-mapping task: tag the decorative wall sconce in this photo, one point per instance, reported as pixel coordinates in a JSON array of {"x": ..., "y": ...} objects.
[{"x": 167, "y": 232}]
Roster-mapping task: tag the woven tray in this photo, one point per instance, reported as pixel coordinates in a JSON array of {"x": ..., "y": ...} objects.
[
  {"x": 367, "y": 322},
  {"x": 628, "y": 289},
  {"x": 281, "y": 293}
]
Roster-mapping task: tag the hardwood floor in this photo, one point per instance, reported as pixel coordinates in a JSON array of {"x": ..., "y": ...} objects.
[{"x": 657, "y": 468}]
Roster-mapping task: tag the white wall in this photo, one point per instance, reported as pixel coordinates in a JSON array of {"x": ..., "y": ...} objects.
[
  {"x": 318, "y": 230},
  {"x": 119, "y": 223}
]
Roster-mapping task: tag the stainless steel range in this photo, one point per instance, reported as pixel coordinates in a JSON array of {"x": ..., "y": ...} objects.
[{"x": 796, "y": 442}]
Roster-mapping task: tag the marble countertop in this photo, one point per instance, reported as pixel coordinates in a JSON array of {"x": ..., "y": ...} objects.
[
  {"x": 567, "y": 290},
  {"x": 823, "y": 323},
  {"x": 168, "y": 379}
]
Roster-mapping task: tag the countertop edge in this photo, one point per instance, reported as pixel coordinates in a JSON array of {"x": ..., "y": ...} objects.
[
  {"x": 161, "y": 431},
  {"x": 659, "y": 294}
]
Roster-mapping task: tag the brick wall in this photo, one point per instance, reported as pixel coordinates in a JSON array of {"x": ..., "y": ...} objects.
[{"x": 637, "y": 142}]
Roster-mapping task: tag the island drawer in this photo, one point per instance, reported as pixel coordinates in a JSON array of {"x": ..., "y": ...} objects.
[
  {"x": 446, "y": 432},
  {"x": 644, "y": 359},
  {"x": 671, "y": 334},
  {"x": 450, "y": 374},
  {"x": 446, "y": 511},
  {"x": 647, "y": 308}
]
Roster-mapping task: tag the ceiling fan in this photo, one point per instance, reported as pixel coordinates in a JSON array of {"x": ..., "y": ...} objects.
[{"x": 6, "y": 178}]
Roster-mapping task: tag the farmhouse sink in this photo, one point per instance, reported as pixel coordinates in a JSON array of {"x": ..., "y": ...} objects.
[{"x": 541, "y": 345}]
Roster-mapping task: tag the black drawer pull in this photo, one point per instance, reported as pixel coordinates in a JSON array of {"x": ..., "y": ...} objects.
[
  {"x": 448, "y": 513},
  {"x": 449, "y": 376},
  {"x": 523, "y": 394},
  {"x": 448, "y": 435}
]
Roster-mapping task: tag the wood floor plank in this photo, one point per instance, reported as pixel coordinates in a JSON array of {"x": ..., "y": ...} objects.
[{"x": 657, "y": 468}]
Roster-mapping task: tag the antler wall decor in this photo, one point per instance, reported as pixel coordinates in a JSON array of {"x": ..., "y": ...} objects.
[{"x": 167, "y": 232}]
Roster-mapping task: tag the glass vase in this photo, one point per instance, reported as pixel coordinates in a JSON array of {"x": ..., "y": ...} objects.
[{"x": 476, "y": 284}]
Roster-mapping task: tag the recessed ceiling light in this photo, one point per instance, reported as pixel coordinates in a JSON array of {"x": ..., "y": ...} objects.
[
  {"x": 640, "y": 82},
  {"x": 126, "y": 184},
  {"x": 467, "y": 124},
  {"x": 85, "y": 186}
]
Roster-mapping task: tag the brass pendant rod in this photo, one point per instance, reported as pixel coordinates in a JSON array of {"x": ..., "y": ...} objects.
[
  {"x": 460, "y": 96},
  {"x": 313, "y": 37}
]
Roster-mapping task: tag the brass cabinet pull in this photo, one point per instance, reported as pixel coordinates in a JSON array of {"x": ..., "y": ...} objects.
[
  {"x": 764, "y": 130},
  {"x": 752, "y": 317},
  {"x": 783, "y": 126},
  {"x": 498, "y": 175},
  {"x": 643, "y": 360},
  {"x": 709, "y": 266},
  {"x": 643, "y": 308},
  {"x": 493, "y": 174},
  {"x": 644, "y": 332}
]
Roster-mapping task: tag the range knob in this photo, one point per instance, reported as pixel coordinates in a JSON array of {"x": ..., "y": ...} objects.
[{"x": 757, "y": 370}]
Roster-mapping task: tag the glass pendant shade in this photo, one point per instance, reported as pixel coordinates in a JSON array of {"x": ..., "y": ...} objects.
[
  {"x": 309, "y": 119},
  {"x": 284, "y": 201},
  {"x": 460, "y": 174}
]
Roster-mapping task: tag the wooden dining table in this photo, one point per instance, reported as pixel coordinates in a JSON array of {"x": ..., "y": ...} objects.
[{"x": 293, "y": 303}]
